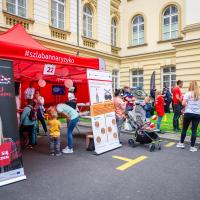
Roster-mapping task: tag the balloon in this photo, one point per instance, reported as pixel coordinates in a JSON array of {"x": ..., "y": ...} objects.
[
  {"x": 154, "y": 117},
  {"x": 152, "y": 125},
  {"x": 68, "y": 83},
  {"x": 42, "y": 83}
]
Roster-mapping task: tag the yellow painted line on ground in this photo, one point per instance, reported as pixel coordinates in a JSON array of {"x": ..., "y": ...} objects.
[
  {"x": 170, "y": 144},
  {"x": 122, "y": 158},
  {"x": 130, "y": 162}
]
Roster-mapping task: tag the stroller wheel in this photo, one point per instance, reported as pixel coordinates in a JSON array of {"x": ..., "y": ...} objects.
[
  {"x": 159, "y": 146},
  {"x": 131, "y": 142},
  {"x": 151, "y": 147}
]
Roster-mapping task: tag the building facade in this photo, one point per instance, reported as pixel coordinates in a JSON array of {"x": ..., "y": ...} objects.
[{"x": 134, "y": 37}]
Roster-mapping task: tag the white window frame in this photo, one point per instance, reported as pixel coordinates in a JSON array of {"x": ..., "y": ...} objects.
[
  {"x": 170, "y": 73},
  {"x": 170, "y": 16},
  {"x": 115, "y": 79},
  {"x": 86, "y": 32},
  {"x": 114, "y": 32},
  {"x": 138, "y": 75},
  {"x": 16, "y": 4},
  {"x": 58, "y": 2},
  {"x": 139, "y": 33}
]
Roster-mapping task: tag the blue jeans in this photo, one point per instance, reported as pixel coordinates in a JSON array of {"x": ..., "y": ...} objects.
[
  {"x": 177, "y": 114},
  {"x": 71, "y": 125},
  {"x": 55, "y": 145},
  {"x": 159, "y": 122}
]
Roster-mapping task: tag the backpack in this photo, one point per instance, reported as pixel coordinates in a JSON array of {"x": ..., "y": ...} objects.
[{"x": 33, "y": 114}]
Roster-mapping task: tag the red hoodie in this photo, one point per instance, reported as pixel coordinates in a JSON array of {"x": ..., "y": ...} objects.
[{"x": 160, "y": 105}]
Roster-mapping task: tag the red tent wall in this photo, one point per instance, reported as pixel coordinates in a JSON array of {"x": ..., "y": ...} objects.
[{"x": 82, "y": 93}]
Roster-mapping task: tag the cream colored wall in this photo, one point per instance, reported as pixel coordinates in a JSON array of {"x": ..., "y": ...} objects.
[
  {"x": 151, "y": 11},
  {"x": 148, "y": 63}
]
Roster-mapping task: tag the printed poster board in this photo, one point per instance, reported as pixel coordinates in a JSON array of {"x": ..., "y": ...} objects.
[
  {"x": 102, "y": 111},
  {"x": 11, "y": 166}
]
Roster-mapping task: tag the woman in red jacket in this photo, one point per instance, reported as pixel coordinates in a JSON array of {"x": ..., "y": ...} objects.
[{"x": 159, "y": 108}]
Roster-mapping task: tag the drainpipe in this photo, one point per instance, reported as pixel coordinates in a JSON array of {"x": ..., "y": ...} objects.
[{"x": 78, "y": 26}]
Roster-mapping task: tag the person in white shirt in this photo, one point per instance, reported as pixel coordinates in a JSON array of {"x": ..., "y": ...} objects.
[
  {"x": 29, "y": 92},
  {"x": 191, "y": 101}
]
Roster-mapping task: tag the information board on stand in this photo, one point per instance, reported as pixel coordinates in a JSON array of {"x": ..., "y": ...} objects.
[{"x": 102, "y": 111}]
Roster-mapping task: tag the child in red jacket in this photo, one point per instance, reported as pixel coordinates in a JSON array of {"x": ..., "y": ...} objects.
[{"x": 159, "y": 108}]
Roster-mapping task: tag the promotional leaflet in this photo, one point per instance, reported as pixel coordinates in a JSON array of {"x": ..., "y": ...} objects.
[{"x": 11, "y": 166}]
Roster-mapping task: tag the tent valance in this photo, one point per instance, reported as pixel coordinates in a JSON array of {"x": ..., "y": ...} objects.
[{"x": 16, "y": 43}]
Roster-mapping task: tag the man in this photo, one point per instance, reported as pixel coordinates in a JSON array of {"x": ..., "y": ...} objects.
[
  {"x": 129, "y": 98},
  {"x": 29, "y": 92},
  {"x": 167, "y": 97},
  {"x": 177, "y": 100}
]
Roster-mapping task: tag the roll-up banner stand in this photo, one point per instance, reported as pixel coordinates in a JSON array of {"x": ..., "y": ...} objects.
[
  {"x": 11, "y": 166},
  {"x": 102, "y": 111}
]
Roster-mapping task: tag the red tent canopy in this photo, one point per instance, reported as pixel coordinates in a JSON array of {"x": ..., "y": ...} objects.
[{"x": 30, "y": 58}]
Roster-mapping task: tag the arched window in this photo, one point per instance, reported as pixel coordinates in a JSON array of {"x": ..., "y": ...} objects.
[
  {"x": 58, "y": 13},
  {"x": 138, "y": 30},
  {"x": 114, "y": 33},
  {"x": 87, "y": 21},
  {"x": 170, "y": 23}
]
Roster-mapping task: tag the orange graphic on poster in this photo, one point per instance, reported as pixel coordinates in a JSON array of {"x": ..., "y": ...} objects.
[{"x": 102, "y": 108}]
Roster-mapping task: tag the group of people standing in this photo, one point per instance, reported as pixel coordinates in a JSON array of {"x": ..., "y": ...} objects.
[
  {"x": 34, "y": 112},
  {"x": 187, "y": 106}
]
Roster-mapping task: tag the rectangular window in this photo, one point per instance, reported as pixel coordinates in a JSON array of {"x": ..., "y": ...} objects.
[
  {"x": 137, "y": 79},
  {"x": 169, "y": 77},
  {"x": 17, "y": 7},
  {"x": 115, "y": 79},
  {"x": 58, "y": 13}
]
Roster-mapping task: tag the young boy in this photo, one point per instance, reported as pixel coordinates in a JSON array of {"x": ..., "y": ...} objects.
[{"x": 54, "y": 135}]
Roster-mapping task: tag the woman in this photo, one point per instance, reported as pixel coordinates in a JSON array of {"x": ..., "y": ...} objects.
[
  {"x": 27, "y": 123},
  {"x": 72, "y": 119},
  {"x": 39, "y": 100},
  {"x": 191, "y": 101},
  {"x": 120, "y": 107},
  {"x": 159, "y": 105}
]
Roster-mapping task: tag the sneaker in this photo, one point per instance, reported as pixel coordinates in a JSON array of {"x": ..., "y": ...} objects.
[
  {"x": 193, "y": 149},
  {"x": 180, "y": 145},
  {"x": 58, "y": 154},
  {"x": 67, "y": 150},
  {"x": 52, "y": 153}
]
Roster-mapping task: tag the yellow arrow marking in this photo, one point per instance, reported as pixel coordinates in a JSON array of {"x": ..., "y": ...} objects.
[
  {"x": 170, "y": 144},
  {"x": 129, "y": 162}
]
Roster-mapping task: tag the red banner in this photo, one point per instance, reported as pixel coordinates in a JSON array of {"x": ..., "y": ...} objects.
[{"x": 5, "y": 152}]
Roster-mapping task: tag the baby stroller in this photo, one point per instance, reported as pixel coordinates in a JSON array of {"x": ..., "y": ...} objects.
[{"x": 144, "y": 131}]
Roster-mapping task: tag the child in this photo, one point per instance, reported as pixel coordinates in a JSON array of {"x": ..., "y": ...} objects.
[
  {"x": 147, "y": 108},
  {"x": 54, "y": 134},
  {"x": 159, "y": 108}
]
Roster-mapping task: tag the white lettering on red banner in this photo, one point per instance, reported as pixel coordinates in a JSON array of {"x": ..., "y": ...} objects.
[
  {"x": 5, "y": 150},
  {"x": 48, "y": 57}
]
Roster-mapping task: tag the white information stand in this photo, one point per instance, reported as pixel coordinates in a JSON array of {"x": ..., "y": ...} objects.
[{"x": 102, "y": 111}]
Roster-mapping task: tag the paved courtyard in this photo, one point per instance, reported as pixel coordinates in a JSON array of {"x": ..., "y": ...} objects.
[{"x": 163, "y": 175}]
